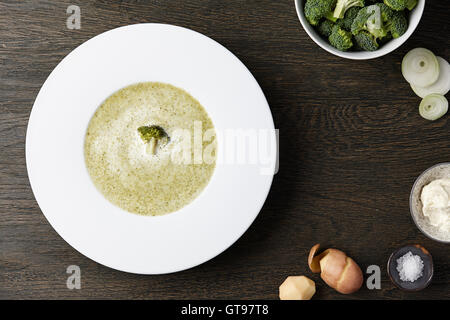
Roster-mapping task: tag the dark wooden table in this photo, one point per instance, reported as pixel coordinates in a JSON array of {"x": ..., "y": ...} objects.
[{"x": 351, "y": 145}]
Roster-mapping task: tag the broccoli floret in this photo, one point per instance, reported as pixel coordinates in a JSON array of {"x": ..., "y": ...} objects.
[
  {"x": 386, "y": 12},
  {"x": 349, "y": 16},
  {"x": 325, "y": 28},
  {"x": 340, "y": 39},
  {"x": 149, "y": 132},
  {"x": 411, "y": 4},
  {"x": 315, "y": 10},
  {"x": 366, "y": 41},
  {"x": 343, "y": 5},
  {"x": 370, "y": 19},
  {"x": 153, "y": 135},
  {"x": 399, "y": 5},
  {"x": 398, "y": 24}
]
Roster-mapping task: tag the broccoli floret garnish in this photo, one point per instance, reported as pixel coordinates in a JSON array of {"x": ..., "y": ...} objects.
[
  {"x": 366, "y": 41},
  {"x": 315, "y": 10},
  {"x": 149, "y": 132},
  {"x": 398, "y": 24},
  {"x": 349, "y": 16},
  {"x": 370, "y": 19},
  {"x": 399, "y": 5},
  {"x": 343, "y": 5},
  {"x": 340, "y": 39},
  {"x": 325, "y": 28},
  {"x": 153, "y": 135}
]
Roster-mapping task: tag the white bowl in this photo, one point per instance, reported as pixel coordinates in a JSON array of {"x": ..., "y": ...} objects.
[{"x": 414, "y": 19}]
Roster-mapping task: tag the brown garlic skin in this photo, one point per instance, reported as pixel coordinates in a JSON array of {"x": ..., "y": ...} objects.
[{"x": 337, "y": 269}]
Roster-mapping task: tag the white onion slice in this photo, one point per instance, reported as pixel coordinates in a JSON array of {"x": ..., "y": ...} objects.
[
  {"x": 441, "y": 86},
  {"x": 433, "y": 106},
  {"x": 420, "y": 67}
]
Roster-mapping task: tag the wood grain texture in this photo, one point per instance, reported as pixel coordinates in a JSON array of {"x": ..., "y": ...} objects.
[{"x": 351, "y": 145}]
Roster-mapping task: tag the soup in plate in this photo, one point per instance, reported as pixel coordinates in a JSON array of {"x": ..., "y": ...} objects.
[{"x": 150, "y": 148}]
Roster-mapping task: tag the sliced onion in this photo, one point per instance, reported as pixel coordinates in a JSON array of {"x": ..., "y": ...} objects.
[
  {"x": 433, "y": 106},
  {"x": 420, "y": 67},
  {"x": 441, "y": 86}
]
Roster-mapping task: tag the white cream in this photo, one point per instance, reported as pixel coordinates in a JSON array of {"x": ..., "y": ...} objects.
[{"x": 436, "y": 204}]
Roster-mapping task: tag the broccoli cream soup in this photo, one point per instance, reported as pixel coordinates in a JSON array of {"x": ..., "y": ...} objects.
[{"x": 150, "y": 148}]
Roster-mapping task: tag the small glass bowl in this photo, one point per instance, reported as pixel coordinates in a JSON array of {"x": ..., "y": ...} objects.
[{"x": 438, "y": 171}]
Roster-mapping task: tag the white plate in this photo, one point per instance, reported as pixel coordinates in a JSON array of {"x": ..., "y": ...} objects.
[{"x": 55, "y": 138}]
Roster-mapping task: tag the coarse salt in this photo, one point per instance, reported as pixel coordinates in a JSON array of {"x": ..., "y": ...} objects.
[{"x": 410, "y": 267}]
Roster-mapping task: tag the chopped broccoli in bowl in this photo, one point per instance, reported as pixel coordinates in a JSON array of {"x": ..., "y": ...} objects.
[{"x": 371, "y": 23}]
